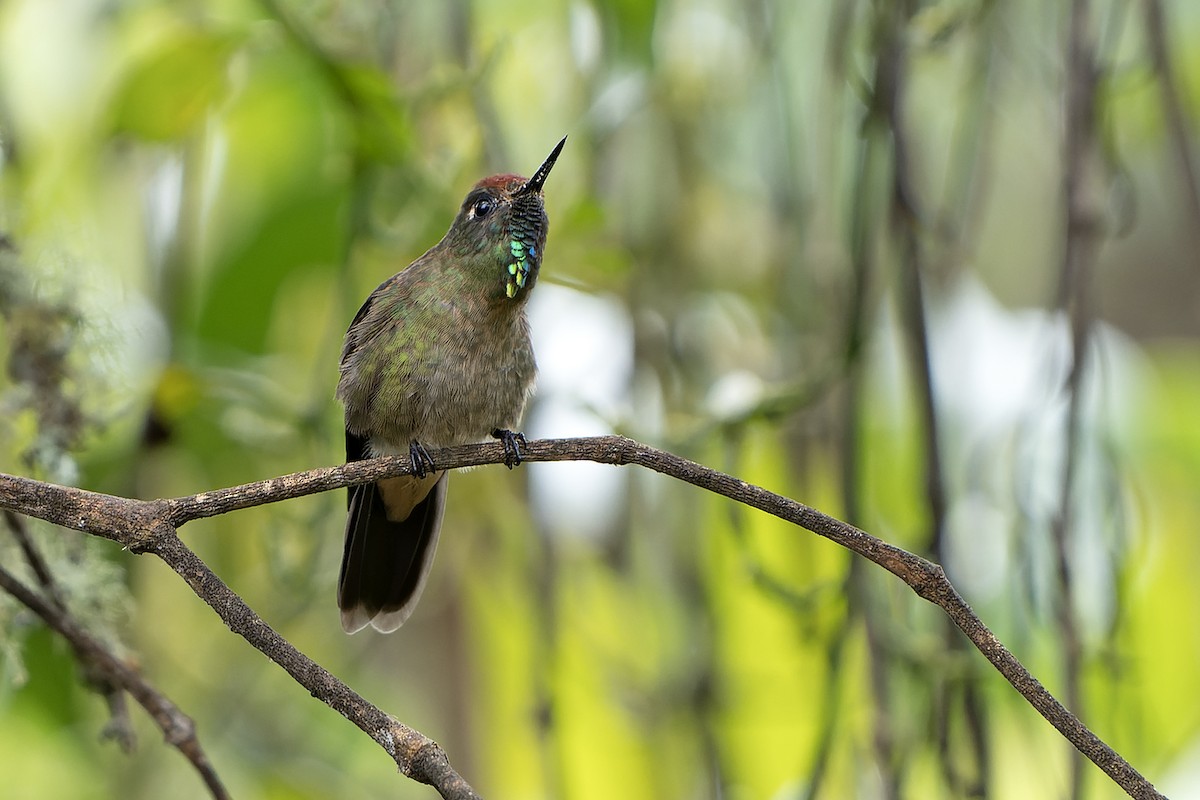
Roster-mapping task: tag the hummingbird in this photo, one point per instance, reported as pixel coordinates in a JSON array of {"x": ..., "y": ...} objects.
[{"x": 439, "y": 355}]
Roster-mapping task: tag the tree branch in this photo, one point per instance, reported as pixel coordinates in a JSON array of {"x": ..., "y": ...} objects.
[
  {"x": 1081, "y": 239},
  {"x": 149, "y": 526},
  {"x": 177, "y": 727},
  {"x": 119, "y": 727},
  {"x": 417, "y": 756},
  {"x": 1174, "y": 110}
]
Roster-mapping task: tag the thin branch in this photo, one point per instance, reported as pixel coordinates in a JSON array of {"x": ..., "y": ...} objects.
[
  {"x": 1079, "y": 245},
  {"x": 417, "y": 756},
  {"x": 119, "y": 727},
  {"x": 33, "y": 557},
  {"x": 907, "y": 218},
  {"x": 907, "y": 222},
  {"x": 1173, "y": 109},
  {"x": 149, "y": 526},
  {"x": 178, "y": 729},
  {"x": 864, "y": 263}
]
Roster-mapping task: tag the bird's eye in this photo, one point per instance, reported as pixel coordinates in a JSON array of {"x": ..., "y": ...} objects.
[{"x": 483, "y": 206}]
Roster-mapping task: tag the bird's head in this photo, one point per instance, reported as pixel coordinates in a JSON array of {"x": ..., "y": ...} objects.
[{"x": 503, "y": 219}]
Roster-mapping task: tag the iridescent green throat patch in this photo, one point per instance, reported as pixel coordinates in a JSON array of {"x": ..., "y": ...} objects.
[{"x": 518, "y": 269}]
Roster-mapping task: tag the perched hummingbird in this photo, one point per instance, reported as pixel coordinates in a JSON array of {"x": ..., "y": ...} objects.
[{"x": 438, "y": 355}]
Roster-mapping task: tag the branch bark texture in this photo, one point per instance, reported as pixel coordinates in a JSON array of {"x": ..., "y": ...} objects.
[
  {"x": 151, "y": 526},
  {"x": 178, "y": 729}
]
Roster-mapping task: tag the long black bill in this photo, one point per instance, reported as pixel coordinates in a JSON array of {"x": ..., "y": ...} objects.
[{"x": 535, "y": 183}]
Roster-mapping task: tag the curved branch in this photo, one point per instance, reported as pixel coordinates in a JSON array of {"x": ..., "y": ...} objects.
[
  {"x": 177, "y": 727},
  {"x": 150, "y": 526},
  {"x": 119, "y": 727},
  {"x": 417, "y": 756}
]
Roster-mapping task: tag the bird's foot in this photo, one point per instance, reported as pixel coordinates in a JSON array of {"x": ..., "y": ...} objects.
[
  {"x": 422, "y": 462},
  {"x": 513, "y": 442}
]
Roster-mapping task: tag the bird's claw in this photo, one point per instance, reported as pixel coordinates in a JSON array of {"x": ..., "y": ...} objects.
[
  {"x": 513, "y": 443},
  {"x": 422, "y": 462}
]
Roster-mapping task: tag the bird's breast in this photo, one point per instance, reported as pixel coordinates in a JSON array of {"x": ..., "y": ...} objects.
[{"x": 469, "y": 375}]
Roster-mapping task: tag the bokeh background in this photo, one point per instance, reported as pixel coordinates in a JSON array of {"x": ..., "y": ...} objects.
[{"x": 931, "y": 266}]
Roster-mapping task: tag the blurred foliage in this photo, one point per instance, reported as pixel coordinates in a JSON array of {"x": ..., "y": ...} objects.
[{"x": 196, "y": 196}]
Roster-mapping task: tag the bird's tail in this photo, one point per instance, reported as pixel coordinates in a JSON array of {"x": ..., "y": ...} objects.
[{"x": 386, "y": 561}]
